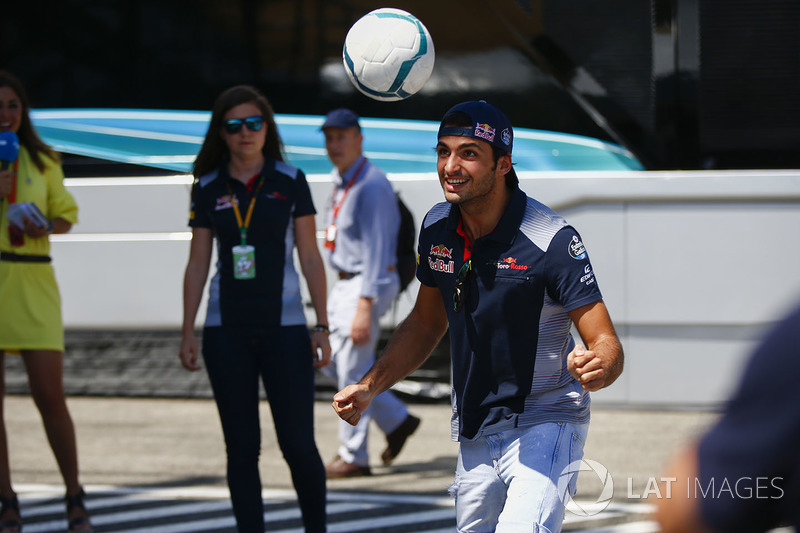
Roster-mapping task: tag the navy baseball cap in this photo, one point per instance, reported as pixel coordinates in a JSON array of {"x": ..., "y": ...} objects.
[
  {"x": 489, "y": 124},
  {"x": 340, "y": 118}
]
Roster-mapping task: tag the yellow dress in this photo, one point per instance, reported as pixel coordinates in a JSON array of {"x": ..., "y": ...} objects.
[{"x": 30, "y": 304}]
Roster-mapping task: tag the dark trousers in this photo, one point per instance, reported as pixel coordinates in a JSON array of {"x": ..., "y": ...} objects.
[{"x": 235, "y": 358}]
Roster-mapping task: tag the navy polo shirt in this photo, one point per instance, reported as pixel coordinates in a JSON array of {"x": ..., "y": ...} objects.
[
  {"x": 509, "y": 342},
  {"x": 273, "y": 297}
]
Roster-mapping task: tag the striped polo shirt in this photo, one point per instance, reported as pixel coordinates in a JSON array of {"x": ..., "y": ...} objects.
[{"x": 510, "y": 341}]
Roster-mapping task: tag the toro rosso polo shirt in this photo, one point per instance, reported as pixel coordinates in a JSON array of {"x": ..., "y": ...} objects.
[
  {"x": 510, "y": 341},
  {"x": 272, "y": 298}
]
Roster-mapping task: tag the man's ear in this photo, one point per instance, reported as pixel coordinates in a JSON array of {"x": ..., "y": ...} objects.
[{"x": 504, "y": 164}]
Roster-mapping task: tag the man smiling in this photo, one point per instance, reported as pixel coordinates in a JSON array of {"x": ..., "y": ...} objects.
[{"x": 509, "y": 277}]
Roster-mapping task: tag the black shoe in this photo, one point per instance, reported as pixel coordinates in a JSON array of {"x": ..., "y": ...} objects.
[
  {"x": 13, "y": 525},
  {"x": 397, "y": 438},
  {"x": 80, "y": 523}
]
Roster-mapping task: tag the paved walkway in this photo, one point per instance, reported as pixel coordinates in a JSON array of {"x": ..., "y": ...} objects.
[{"x": 176, "y": 442}]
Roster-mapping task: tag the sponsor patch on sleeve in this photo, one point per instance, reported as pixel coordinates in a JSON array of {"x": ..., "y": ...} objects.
[
  {"x": 576, "y": 248},
  {"x": 588, "y": 276}
]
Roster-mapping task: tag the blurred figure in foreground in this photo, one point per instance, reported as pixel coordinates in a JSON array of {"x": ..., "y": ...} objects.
[{"x": 744, "y": 474}]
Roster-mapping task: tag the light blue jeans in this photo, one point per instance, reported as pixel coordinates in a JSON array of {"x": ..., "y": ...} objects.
[{"x": 508, "y": 482}]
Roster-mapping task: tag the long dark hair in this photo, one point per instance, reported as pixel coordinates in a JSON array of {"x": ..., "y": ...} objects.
[
  {"x": 214, "y": 148},
  {"x": 26, "y": 133}
]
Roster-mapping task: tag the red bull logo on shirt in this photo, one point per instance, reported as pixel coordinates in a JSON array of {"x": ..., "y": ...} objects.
[
  {"x": 440, "y": 265},
  {"x": 442, "y": 251},
  {"x": 484, "y": 131},
  {"x": 436, "y": 259}
]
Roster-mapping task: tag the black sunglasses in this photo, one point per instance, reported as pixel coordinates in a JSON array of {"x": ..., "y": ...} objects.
[
  {"x": 234, "y": 125},
  {"x": 460, "y": 288}
]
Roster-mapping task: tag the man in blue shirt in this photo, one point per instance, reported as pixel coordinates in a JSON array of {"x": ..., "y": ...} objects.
[
  {"x": 509, "y": 277},
  {"x": 744, "y": 473},
  {"x": 362, "y": 222}
]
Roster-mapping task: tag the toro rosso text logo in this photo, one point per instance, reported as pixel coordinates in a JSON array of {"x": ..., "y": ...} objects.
[
  {"x": 484, "y": 131},
  {"x": 437, "y": 256},
  {"x": 510, "y": 263},
  {"x": 224, "y": 202}
]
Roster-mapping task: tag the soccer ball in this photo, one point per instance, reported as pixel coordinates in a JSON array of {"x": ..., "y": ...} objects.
[{"x": 388, "y": 54}]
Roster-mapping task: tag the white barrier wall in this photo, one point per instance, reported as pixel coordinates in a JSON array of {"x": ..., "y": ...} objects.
[{"x": 693, "y": 265}]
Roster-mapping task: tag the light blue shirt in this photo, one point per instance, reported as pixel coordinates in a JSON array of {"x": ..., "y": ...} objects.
[{"x": 366, "y": 226}]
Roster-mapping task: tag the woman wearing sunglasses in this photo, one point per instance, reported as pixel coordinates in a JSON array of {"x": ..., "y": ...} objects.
[{"x": 258, "y": 209}]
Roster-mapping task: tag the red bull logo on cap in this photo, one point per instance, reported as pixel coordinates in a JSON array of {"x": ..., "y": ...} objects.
[
  {"x": 484, "y": 131},
  {"x": 441, "y": 251}
]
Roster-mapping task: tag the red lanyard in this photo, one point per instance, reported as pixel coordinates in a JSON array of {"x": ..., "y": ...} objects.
[
  {"x": 12, "y": 198},
  {"x": 467, "y": 242},
  {"x": 338, "y": 205}
]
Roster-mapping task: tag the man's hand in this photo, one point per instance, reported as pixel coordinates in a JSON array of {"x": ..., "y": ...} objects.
[
  {"x": 602, "y": 363},
  {"x": 351, "y": 402},
  {"x": 586, "y": 367},
  {"x": 321, "y": 348}
]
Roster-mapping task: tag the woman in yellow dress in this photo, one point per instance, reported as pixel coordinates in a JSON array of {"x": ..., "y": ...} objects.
[{"x": 30, "y": 304}]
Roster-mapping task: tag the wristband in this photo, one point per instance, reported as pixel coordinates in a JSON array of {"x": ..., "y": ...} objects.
[
  {"x": 49, "y": 227},
  {"x": 321, "y": 327}
]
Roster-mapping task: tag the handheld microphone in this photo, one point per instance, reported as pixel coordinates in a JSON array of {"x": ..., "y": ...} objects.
[{"x": 9, "y": 148}]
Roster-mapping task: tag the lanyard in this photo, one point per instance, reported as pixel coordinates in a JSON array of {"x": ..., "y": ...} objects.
[
  {"x": 350, "y": 183},
  {"x": 12, "y": 198},
  {"x": 235, "y": 201}
]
